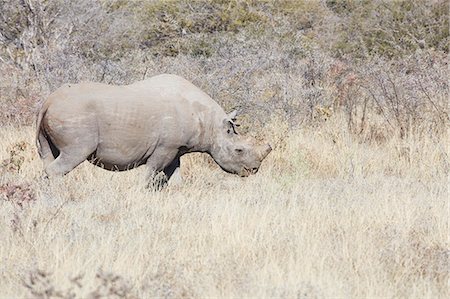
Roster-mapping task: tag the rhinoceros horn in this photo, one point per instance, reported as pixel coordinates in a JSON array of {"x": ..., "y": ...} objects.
[{"x": 264, "y": 151}]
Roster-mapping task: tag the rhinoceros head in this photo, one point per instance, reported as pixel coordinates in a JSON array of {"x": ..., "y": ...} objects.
[{"x": 235, "y": 153}]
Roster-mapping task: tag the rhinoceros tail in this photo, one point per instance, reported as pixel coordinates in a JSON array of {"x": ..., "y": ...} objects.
[{"x": 42, "y": 142}]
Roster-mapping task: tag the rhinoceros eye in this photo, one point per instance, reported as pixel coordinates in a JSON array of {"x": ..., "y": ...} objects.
[
  {"x": 239, "y": 150},
  {"x": 231, "y": 131}
]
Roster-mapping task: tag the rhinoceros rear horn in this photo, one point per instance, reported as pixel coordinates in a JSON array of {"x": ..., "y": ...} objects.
[{"x": 264, "y": 151}]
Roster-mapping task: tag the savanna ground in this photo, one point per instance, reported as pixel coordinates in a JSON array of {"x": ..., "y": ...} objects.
[{"x": 352, "y": 201}]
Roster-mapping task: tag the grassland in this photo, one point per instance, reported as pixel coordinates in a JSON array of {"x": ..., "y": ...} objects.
[
  {"x": 326, "y": 216},
  {"x": 351, "y": 203}
]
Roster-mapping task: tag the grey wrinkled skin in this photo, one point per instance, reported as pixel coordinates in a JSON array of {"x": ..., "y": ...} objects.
[{"x": 152, "y": 122}]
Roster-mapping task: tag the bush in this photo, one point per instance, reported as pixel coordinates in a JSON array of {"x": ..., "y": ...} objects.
[
  {"x": 389, "y": 28},
  {"x": 381, "y": 63}
]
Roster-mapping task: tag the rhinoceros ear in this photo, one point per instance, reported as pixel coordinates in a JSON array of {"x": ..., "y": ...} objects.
[
  {"x": 232, "y": 115},
  {"x": 229, "y": 126}
]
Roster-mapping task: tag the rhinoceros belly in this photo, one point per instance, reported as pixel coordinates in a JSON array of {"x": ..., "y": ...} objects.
[
  {"x": 122, "y": 155},
  {"x": 113, "y": 165}
]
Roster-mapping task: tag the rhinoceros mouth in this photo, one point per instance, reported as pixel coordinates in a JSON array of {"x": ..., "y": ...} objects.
[{"x": 248, "y": 171}]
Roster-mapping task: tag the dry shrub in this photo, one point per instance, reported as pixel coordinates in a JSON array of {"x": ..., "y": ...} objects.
[
  {"x": 245, "y": 54},
  {"x": 19, "y": 96},
  {"x": 18, "y": 194},
  {"x": 111, "y": 286},
  {"x": 41, "y": 284},
  {"x": 17, "y": 156},
  {"x": 410, "y": 95},
  {"x": 413, "y": 257}
]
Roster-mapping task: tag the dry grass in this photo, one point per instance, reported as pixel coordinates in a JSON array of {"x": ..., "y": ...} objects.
[{"x": 326, "y": 216}]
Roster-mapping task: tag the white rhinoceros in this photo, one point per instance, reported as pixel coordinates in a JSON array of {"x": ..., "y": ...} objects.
[{"x": 152, "y": 122}]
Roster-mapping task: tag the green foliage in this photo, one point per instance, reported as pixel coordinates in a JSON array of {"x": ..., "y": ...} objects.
[
  {"x": 201, "y": 48},
  {"x": 168, "y": 23},
  {"x": 302, "y": 14},
  {"x": 389, "y": 28},
  {"x": 109, "y": 29}
]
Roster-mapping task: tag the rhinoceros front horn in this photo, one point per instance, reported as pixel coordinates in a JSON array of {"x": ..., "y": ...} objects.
[{"x": 264, "y": 151}]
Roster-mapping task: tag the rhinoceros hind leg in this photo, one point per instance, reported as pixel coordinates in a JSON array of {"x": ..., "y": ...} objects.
[
  {"x": 48, "y": 151},
  {"x": 66, "y": 162}
]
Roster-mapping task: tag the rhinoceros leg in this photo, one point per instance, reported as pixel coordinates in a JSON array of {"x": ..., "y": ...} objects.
[
  {"x": 71, "y": 156},
  {"x": 64, "y": 163},
  {"x": 172, "y": 172},
  {"x": 75, "y": 138},
  {"x": 47, "y": 154},
  {"x": 159, "y": 160}
]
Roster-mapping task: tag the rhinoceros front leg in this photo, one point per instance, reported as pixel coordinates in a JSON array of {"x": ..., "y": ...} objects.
[
  {"x": 160, "y": 160},
  {"x": 173, "y": 173}
]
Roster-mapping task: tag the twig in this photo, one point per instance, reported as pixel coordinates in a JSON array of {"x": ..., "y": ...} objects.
[{"x": 422, "y": 88}]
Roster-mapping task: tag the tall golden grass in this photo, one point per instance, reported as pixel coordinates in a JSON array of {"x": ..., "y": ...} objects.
[{"x": 326, "y": 216}]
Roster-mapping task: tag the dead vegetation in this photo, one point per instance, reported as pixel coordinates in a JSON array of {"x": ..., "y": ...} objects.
[
  {"x": 352, "y": 201},
  {"x": 383, "y": 63},
  {"x": 327, "y": 215}
]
